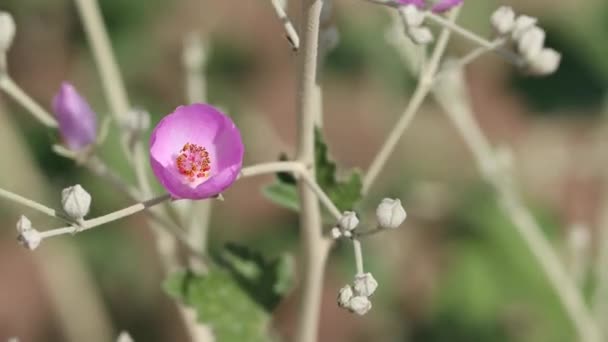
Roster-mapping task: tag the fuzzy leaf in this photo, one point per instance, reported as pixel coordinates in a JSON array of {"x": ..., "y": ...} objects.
[
  {"x": 236, "y": 296},
  {"x": 282, "y": 194},
  {"x": 220, "y": 303},
  {"x": 345, "y": 193}
]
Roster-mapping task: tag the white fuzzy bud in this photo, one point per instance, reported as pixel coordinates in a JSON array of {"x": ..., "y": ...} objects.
[
  {"x": 503, "y": 20},
  {"x": 348, "y": 221},
  {"x": 7, "y": 31},
  {"x": 420, "y": 35},
  {"x": 531, "y": 43},
  {"x": 365, "y": 284},
  {"x": 522, "y": 24},
  {"x": 23, "y": 224},
  {"x": 336, "y": 233},
  {"x": 76, "y": 201},
  {"x": 545, "y": 63},
  {"x": 390, "y": 213},
  {"x": 30, "y": 238},
  {"x": 344, "y": 296},
  {"x": 360, "y": 305},
  {"x": 412, "y": 15},
  {"x": 124, "y": 337}
]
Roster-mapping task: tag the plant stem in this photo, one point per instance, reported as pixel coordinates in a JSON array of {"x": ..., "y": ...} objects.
[
  {"x": 112, "y": 82},
  {"x": 424, "y": 86},
  {"x": 290, "y": 31},
  {"x": 113, "y": 216},
  {"x": 470, "y": 57},
  {"x": 313, "y": 246},
  {"x": 13, "y": 90},
  {"x": 358, "y": 255},
  {"x": 11, "y": 196},
  {"x": 454, "y": 101}
]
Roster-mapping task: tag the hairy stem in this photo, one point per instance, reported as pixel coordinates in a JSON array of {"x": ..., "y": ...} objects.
[
  {"x": 454, "y": 100},
  {"x": 13, "y": 90},
  {"x": 314, "y": 247},
  {"x": 424, "y": 86}
]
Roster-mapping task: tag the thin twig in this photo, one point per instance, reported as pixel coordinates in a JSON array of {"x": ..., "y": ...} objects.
[
  {"x": 13, "y": 90},
  {"x": 113, "y": 216},
  {"x": 422, "y": 89},
  {"x": 290, "y": 31},
  {"x": 454, "y": 100}
]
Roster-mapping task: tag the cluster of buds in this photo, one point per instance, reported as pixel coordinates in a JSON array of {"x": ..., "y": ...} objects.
[
  {"x": 413, "y": 19},
  {"x": 346, "y": 225},
  {"x": 529, "y": 39},
  {"x": 355, "y": 297},
  {"x": 29, "y": 237}
]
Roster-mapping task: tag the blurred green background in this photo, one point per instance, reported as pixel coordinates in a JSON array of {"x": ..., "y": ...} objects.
[{"x": 456, "y": 271}]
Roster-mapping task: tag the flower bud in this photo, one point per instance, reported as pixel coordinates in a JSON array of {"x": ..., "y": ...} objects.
[
  {"x": 545, "y": 63},
  {"x": 7, "y": 31},
  {"x": 503, "y": 20},
  {"x": 420, "y": 35},
  {"x": 531, "y": 43},
  {"x": 77, "y": 121},
  {"x": 522, "y": 24},
  {"x": 390, "y": 213},
  {"x": 23, "y": 224},
  {"x": 365, "y": 284},
  {"x": 76, "y": 201},
  {"x": 360, "y": 305},
  {"x": 412, "y": 15},
  {"x": 348, "y": 221},
  {"x": 344, "y": 296},
  {"x": 124, "y": 337},
  {"x": 30, "y": 238},
  {"x": 336, "y": 233}
]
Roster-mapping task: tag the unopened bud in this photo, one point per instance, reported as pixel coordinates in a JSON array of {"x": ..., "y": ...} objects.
[
  {"x": 7, "y": 31},
  {"x": 76, "y": 201},
  {"x": 124, "y": 337},
  {"x": 390, "y": 213},
  {"x": 412, "y": 15},
  {"x": 420, "y": 35},
  {"x": 545, "y": 63},
  {"x": 531, "y": 43},
  {"x": 365, "y": 284},
  {"x": 23, "y": 224},
  {"x": 360, "y": 305},
  {"x": 522, "y": 24},
  {"x": 30, "y": 238},
  {"x": 336, "y": 233},
  {"x": 348, "y": 221},
  {"x": 503, "y": 20},
  {"x": 344, "y": 296}
]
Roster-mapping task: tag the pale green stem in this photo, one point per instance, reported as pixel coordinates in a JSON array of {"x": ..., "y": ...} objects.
[
  {"x": 14, "y": 91},
  {"x": 113, "y": 216},
  {"x": 290, "y": 31},
  {"x": 424, "y": 86},
  {"x": 315, "y": 247}
]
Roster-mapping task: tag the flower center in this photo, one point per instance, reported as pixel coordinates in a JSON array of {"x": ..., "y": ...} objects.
[{"x": 193, "y": 162}]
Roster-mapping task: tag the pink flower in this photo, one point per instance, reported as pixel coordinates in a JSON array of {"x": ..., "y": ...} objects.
[
  {"x": 437, "y": 6},
  {"x": 77, "y": 121},
  {"x": 196, "y": 152}
]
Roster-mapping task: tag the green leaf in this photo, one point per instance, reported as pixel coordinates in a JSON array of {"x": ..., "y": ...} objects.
[
  {"x": 265, "y": 280},
  {"x": 236, "y": 296},
  {"x": 220, "y": 303},
  {"x": 282, "y": 194},
  {"x": 345, "y": 193}
]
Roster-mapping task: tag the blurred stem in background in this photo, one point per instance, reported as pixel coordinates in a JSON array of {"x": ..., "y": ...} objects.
[{"x": 452, "y": 96}]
